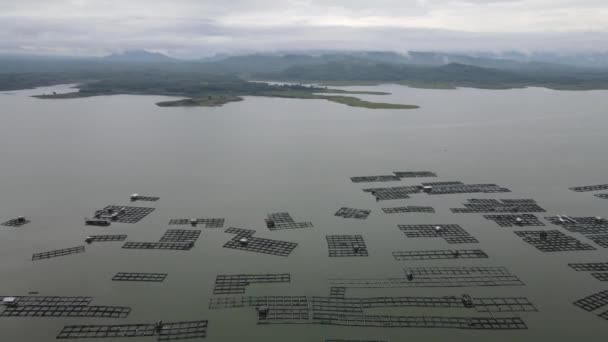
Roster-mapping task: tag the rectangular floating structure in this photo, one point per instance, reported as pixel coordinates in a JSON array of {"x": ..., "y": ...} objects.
[
  {"x": 360, "y": 214},
  {"x": 590, "y": 188},
  {"x": 283, "y": 220},
  {"x": 145, "y": 198},
  {"x": 105, "y": 238},
  {"x": 125, "y": 214},
  {"x": 272, "y": 301},
  {"x": 429, "y": 281},
  {"x": 555, "y": 241},
  {"x": 583, "y": 225},
  {"x": 66, "y": 311},
  {"x": 600, "y": 240},
  {"x": 590, "y": 266},
  {"x": 457, "y": 270},
  {"x": 440, "y": 254},
  {"x": 341, "y": 340},
  {"x": 594, "y": 301},
  {"x": 500, "y": 206},
  {"x": 511, "y": 220},
  {"x": 393, "y": 193},
  {"x": 16, "y": 222},
  {"x": 483, "y": 304},
  {"x": 602, "y": 196},
  {"x": 236, "y": 283},
  {"x": 600, "y": 276},
  {"x": 370, "y": 179},
  {"x": 360, "y": 320},
  {"x": 442, "y": 183},
  {"x": 346, "y": 245},
  {"x": 451, "y": 233},
  {"x": 284, "y": 316},
  {"x": 466, "y": 189},
  {"x": 169, "y": 331},
  {"x": 57, "y": 253},
  {"x": 206, "y": 222},
  {"x": 337, "y": 291},
  {"x": 51, "y": 300},
  {"x": 181, "y": 246},
  {"x": 408, "y": 209},
  {"x": 414, "y": 174},
  {"x": 180, "y": 235},
  {"x": 334, "y": 304},
  {"x": 135, "y": 276},
  {"x": 246, "y": 242}
]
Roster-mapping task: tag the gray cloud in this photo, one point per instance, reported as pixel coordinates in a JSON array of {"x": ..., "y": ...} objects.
[{"x": 189, "y": 28}]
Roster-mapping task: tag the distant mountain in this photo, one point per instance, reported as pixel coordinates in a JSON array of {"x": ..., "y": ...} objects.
[{"x": 139, "y": 56}]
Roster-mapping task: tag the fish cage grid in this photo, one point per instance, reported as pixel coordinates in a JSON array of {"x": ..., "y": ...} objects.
[
  {"x": 604, "y": 315},
  {"x": 601, "y": 276},
  {"x": 442, "y": 183},
  {"x": 457, "y": 270},
  {"x": 483, "y": 323},
  {"x": 600, "y": 240},
  {"x": 466, "y": 189},
  {"x": 554, "y": 241},
  {"x": 515, "y": 220},
  {"x": 237, "y": 283},
  {"x": 335, "y": 304},
  {"x": 346, "y": 245},
  {"x": 590, "y": 188},
  {"x": 181, "y": 246},
  {"x": 283, "y": 220},
  {"x": 589, "y": 266},
  {"x": 338, "y": 292},
  {"x": 360, "y": 214},
  {"x": 515, "y": 304},
  {"x": 451, "y": 233},
  {"x": 180, "y": 235},
  {"x": 593, "y": 301},
  {"x": 414, "y": 174},
  {"x": 66, "y": 311},
  {"x": 206, "y": 222},
  {"x": 240, "y": 231},
  {"x": 106, "y": 238},
  {"x": 15, "y": 223},
  {"x": 440, "y": 254},
  {"x": 259, "y": 245},
  {"x": 442, "y": 281},
  {"x": 409, "y": 209},
  {"x": 393, "y": 193},
  {"x": 51, "y": 300},
  {"x": 168, "y": 331},
  {"x": 125, "y": 214},
  {"x": 137, "y": 276},
  {"x": 145, "y": 199},
  {"x": 284, "y": 315},
  {"x": 250, "y": 301},
  {"x": 57, "y": 253},
  {"x": 371, "y": 179},
  {"x": 476, "y": 205},
  {"x": 602, "y": 196}
]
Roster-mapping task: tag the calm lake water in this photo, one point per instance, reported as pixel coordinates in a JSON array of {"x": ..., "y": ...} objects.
[{"x": 62, "y": 159}]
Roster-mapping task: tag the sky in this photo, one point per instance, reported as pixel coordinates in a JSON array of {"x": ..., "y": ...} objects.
[{"x": 196, "y": 28}]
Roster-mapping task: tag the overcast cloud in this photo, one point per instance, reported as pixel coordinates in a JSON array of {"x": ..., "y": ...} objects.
[{"x": 192, "y": 28}]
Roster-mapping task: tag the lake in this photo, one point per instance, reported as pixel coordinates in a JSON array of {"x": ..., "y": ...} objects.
[{"x": 63, "y": 159}]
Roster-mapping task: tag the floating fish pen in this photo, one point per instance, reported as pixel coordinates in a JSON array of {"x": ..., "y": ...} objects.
[
  {"x": 393, "y": 193},
  {"x": 346, "y": 245},
  {"x": 451, "y": 233},
  {"x": 337, "y": 291},
  {"x": 600, "y": 240},
  {"x": 440, "y": 254},
  {"x": 603, "y": 276},
  {"x": 283, "y": 220},
  {"x": 177, "y": 246},
  {"x": 602, "y": 196},
  {"x": 205, "y": 222},
  {"x": 105, "y": 238},
  {"x": 165, "y": 331},
  {"x": 500, "y": 206},
  {"x": 553, "y": 241},
  {"x": 97, "y": 222},
  {"x": 66, "y": 311},
  {"x": 180, "y": 235},
  {"x": 57, "y": 253},
  {"x": 590, "y": 188},
  {"x": 457, "y": 270},
  {"x": 593, "y": 302},
  {"x": 414, "y": 174},
  {"x": 371, "y": 179},
  {"x": 360, "y": 214},
  {"x": 445, "y": 189},
  {"x": 136, "y": 276},
  {"x": 17, "y": 222},
  {"x": 519, "y": 220},
  {"x": 256, "y": 301},
  {"x": 434, "y": 322},
  {"x": 409, "y": 209},
  {"x": 138, "y": 197},
  {"x": 123, "y": 214},
  {"x": 51, "y": 300},
  {"x": 429, "y": 281},
  {"x": 589, "y": 266},
  {"x": 237, "y": 283},
  {"x": 246, "y": 242}
]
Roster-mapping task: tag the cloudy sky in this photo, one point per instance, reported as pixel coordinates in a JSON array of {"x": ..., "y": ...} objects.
[{"x": 192, "y": 28}]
